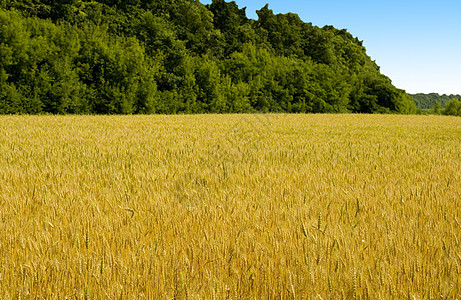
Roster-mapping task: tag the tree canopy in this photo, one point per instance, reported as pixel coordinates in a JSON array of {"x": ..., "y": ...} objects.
[
  {"x": 157, "y": 56},
  {"x": 453, "y": 108},
  {"x": 427, "y": 101}
]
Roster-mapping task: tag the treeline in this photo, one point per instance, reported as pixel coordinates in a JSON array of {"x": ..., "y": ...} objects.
[
  {"x": 452, "y": 108},
  {"x": 428, "y": 101},
  {"x": 158, "y": 56}
]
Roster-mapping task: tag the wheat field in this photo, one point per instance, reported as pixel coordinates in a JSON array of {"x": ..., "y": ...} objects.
[{"x": 230, "y": 207}]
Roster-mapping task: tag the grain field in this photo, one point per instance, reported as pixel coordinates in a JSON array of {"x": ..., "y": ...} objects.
[{"x": 230, "y": 207}]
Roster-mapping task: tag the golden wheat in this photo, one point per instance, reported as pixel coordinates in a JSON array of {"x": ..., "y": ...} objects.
[{"x": 230, "y": 207}]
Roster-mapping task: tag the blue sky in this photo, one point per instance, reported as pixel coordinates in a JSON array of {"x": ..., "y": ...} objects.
[{"x": 416, "y": 43}]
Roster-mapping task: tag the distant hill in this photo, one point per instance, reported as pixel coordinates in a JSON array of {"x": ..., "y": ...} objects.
[{"x": 427, "y": 101}]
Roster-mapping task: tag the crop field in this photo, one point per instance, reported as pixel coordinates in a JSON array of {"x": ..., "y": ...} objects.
[{"x": 230, "y": 207}]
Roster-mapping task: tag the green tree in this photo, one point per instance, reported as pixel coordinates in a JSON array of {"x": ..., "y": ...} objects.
[
  {"x": 234, "y": 25},
  {"x": 452, "y": 108},
  {"x": 117, "y": 72},
  {"x": 437, "y": 108},
  {"x": 283, "y": 31}
]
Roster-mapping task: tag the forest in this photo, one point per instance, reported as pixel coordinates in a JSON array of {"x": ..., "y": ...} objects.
[
  {"x": 428, "y": 101},
  {"x": 181, "y": 56}
]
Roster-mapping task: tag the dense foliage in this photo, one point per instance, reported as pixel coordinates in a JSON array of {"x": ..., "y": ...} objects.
[
  {"x": 452, "y": 108},
  {"x": 158, "y": 56},
  {"x": 428, "y": 101}
]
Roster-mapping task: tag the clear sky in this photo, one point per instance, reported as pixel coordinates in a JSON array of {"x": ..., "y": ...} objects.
[{"x": 416, "y": 43}]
